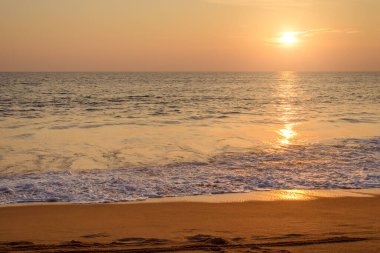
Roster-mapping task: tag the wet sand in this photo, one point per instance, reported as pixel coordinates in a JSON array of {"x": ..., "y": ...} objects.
[{"x": 344, "y": 224}]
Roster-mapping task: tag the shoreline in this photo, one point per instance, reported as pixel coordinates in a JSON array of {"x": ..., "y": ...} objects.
[{"x": 258, "y": 195}]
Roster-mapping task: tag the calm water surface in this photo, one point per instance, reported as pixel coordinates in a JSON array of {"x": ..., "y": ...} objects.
[{"x": 95, "y": 137}]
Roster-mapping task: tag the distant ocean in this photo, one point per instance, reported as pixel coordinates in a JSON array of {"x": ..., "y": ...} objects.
[{"x": 108, "y": 137}]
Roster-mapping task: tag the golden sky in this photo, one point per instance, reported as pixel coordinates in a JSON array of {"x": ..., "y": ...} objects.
[{"x": 189, "y": 35}]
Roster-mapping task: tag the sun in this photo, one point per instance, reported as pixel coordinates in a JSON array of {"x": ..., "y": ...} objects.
[{"x": 288, "y": 38}]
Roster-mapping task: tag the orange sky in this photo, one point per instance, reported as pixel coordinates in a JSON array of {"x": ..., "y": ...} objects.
[{"x": 188, "y": 35}]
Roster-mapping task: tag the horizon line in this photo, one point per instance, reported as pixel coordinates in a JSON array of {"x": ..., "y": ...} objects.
[{"x": 179, "y": 71}]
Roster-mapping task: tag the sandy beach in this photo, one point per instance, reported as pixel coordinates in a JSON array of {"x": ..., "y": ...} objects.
[
  {"x": 231, "y": 126},
  {"x": 344, "y": 224}
]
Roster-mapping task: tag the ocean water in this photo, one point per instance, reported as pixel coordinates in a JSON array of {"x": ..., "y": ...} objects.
[{"x": 107, "y": 137}]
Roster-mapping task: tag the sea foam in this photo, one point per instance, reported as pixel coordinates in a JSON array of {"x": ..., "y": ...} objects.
[{"x": 343, "y": 164}]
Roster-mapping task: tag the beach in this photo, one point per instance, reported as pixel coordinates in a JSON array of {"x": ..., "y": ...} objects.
[
  {"x": 322, "y": 224},
  {"x": 231, "y": 126}
]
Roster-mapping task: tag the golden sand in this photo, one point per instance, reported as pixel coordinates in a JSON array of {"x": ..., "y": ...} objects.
[{"x": 345, "y": 224}]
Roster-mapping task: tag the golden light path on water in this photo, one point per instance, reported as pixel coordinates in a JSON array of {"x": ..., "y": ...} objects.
[{"x": 286, "y": 110}]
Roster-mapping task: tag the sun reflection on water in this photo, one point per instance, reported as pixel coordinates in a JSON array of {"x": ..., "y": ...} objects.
[
  {"x": 293, "y": 195},
  {"x": 287, "y": 133},
  {"x": 287, "y": 93}
]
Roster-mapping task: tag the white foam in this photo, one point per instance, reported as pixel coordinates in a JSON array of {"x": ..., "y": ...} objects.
[{"x": 354, "y": 163}]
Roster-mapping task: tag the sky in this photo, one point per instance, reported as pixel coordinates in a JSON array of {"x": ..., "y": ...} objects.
[{"x": 189, "y": 35}]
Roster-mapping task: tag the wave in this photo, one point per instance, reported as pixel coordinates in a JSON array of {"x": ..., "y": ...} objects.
[{"x": 341, "y": 164}]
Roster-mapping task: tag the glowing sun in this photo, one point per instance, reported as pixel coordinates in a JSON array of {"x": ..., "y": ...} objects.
[{"x": 288, "y": 38}]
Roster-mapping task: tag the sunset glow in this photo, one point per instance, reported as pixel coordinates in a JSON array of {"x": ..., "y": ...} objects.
[{"x": 226, "y": 35}]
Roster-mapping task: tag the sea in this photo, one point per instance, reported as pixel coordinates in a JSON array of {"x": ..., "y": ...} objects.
[{"x": 113, "y": 137}]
